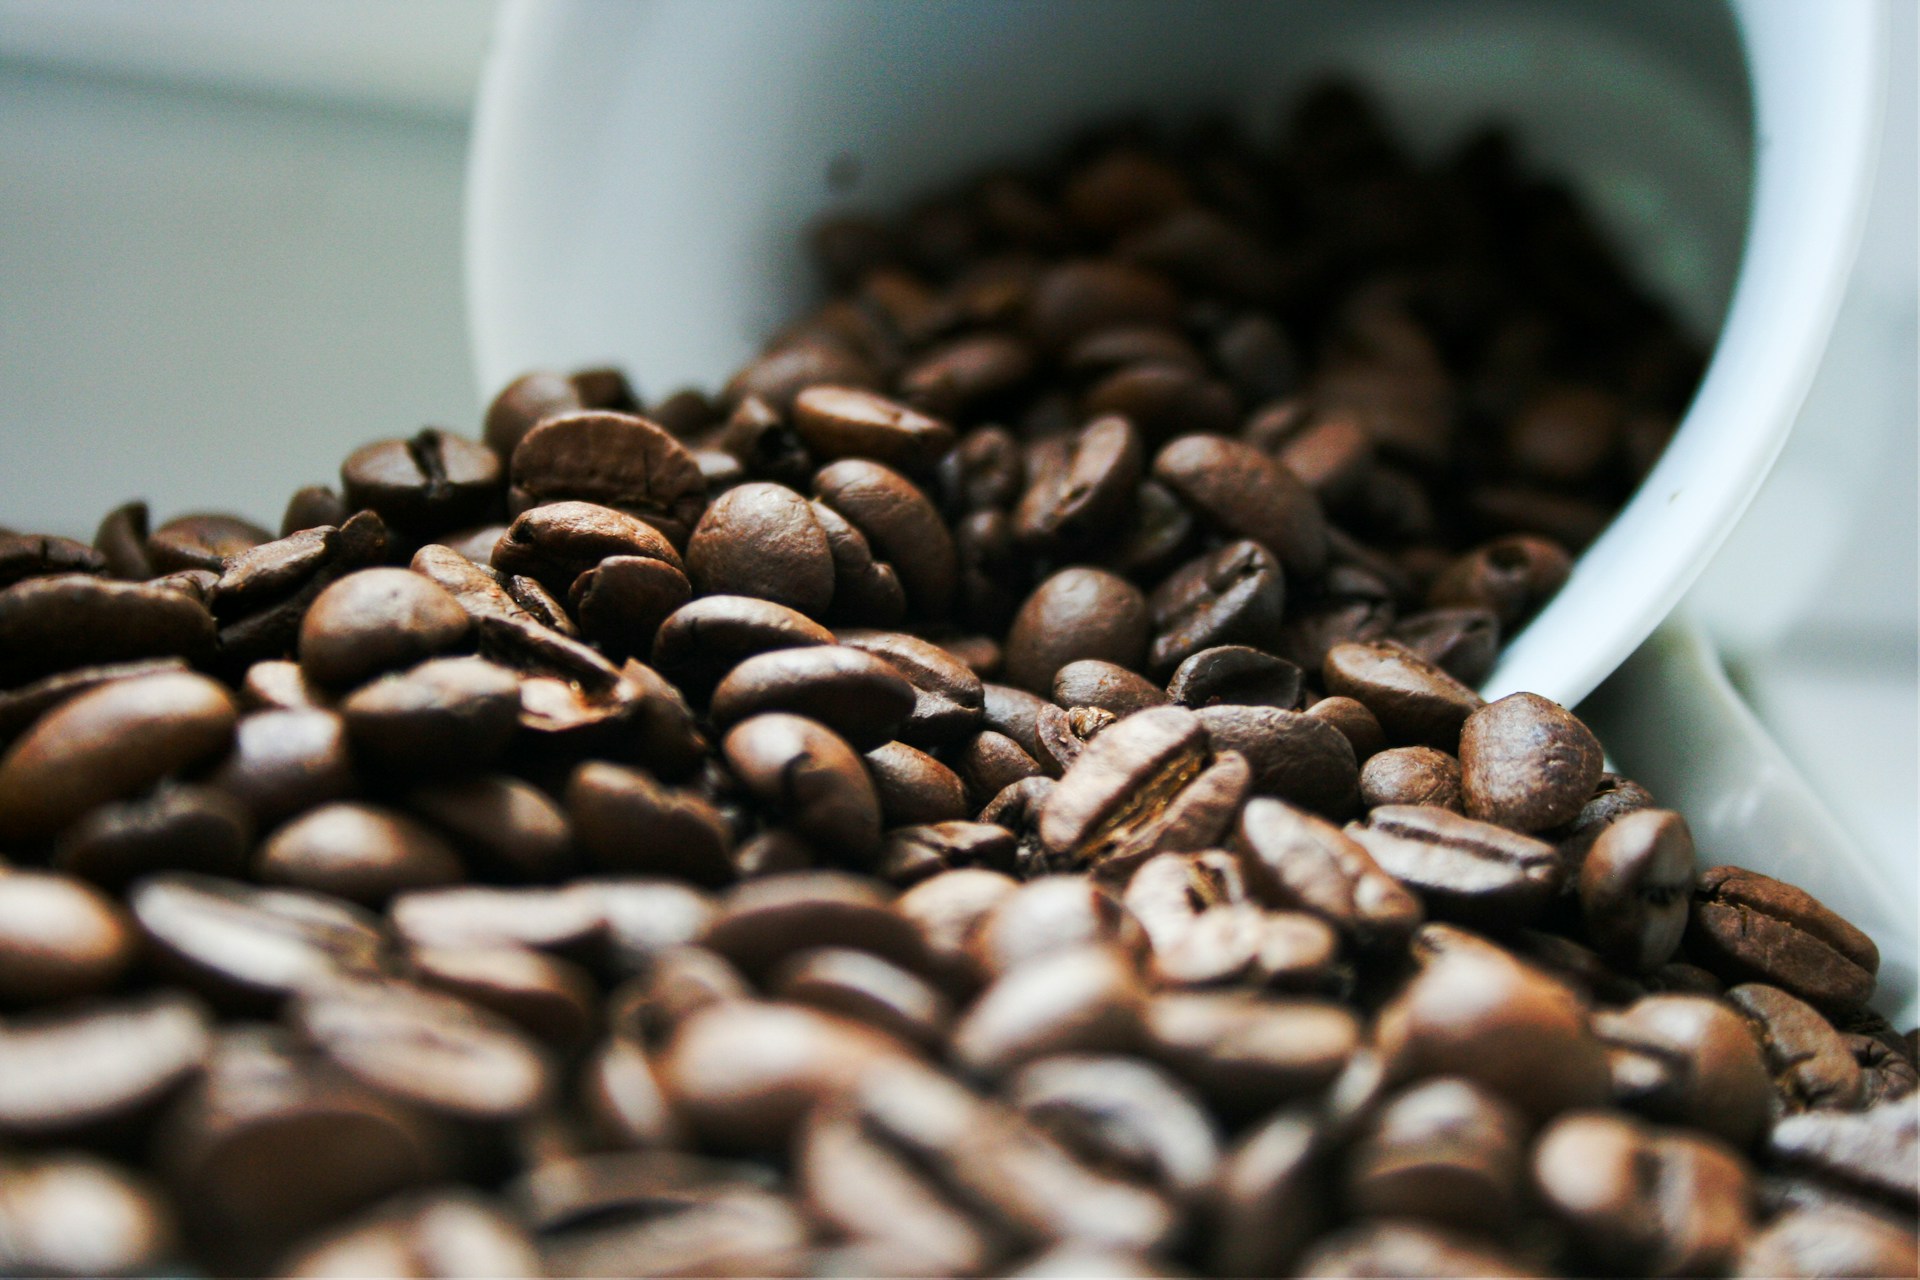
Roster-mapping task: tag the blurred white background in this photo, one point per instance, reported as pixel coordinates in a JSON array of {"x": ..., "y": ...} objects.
[{"x": 218, "y": 216}]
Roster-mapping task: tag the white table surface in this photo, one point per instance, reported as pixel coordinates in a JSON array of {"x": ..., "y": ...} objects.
[{"x": 238, "y": 230}]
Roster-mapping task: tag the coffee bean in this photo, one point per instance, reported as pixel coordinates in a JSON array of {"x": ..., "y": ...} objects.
[
  {"x": 1249, "y": 495},
  {"x": 286, "y": 761},
  {"x": 1747, "y": 926},
  {"x": 1236, "y": 675},
  {"x": 1088, "y": 488},
  {"x": 510, "y": 828},
  {"x": 627, "y": 822},
  {"x": 616, "y": 460},
  {"x": 1634, "y": 887},
  {"x": 990, "y": 762},
  {"x": 1641, "y": 1200},
  {"x": 70, "y": 1071},
  {"x": 558, "y": 543},
  {"x": 201, "y": 542},
  {"x": 1811, "y": 1064},
  {"x": 1231, "y": 596},
  {"x": 1411, "y": 775},
  {"x": 1293, "y": 859},
  {"x": 913, "y": 787},
  {"x": 363, "y": 853},
  {"x": 1829, "y": 1242},
  {"x": 703, "y": 640},
  {"x": 1613, "y": 797},
  {"x": 1499, "y": 1023},
  {"x": 60, "y": 939},
  {"x": 424, "y": 1236},
  {"x": 1078, "y": 298},
  {"x": 1075, "y": 614},
  {"x": 109, "y": 743},
  {"x": 1076, "y": 1000},
  {"x": 1414, "y": 701},
  {"x": 1464, "y": 870},
  {"x": 377, "y": 620},
  {"x": 444, "y": 716},
  {"x": 966, "y": 373},
  {"x": 862, "y": 987},
  {"x": 948, "y": 696},
  {"x": 1091, "y": 682},
  {"x": 1462, "y": 642},
  {"x": 808, "y": 775},
  {"x": 763, "y": 540},
  {"x": 69, "y": 1214},
  {"x": 1162, "y": 400},
  {"x": 761, "y": 921},
  {"x": 425, "y": 486},
  {"x": 1269, "y": 1199},
  {"x": 1124, "y": 1115},
  {"x": 945, "y": 910},
  {"x": 1509, "y": 577},
  {"x": 1444, "y": 1151},
  {"x": 49, "y": 625},
  {"x": 900, "y": 523},
  {"x": 847, "y": 422},
  {"x": 1526, "y": 763},
  {"x": 1244, "y": 1052},
  {"x": 1293, "y": 756},
  {"x": 1685, "y": 1059},
  {"x": 861, "y": 696},
  {"x": 175, "y": 827},
  {"x": 1355, "y": 723}
]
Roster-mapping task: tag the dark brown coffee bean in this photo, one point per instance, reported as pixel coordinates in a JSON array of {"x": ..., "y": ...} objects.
[
  {"x": 1527, "y": 763},
  {"x": 39, "y": 555},
  {"x": 1414, "y": 701},
  {"x": 761, "y": 921},
  {"x": 1634, "y": 888},
  {"x": 1444, "y": 1151},
  {"x": 948, "y": 696},
  {"x": 427, "y": 485},
  {"x": 447, "y": 715},
  {"x": 1357, "y": 724},
  {"x": 706, "y": 638},
  {"x": 847, "y": 422},
  {"x": 862, "y": 987},
  {"x": 60, "y": 939},
  {"x": 985, "y": 471},
  {"x": 1076, "y": 1000},
  {"x": 1641, "y": 1200},
  {"x": 1829, "y": 1242},
  {"x": 1295, "y": 860},
  {"x": 1461, "y": 642},
  {"x": 1244, "y": 1052},
  {"x": 175, "y": 827},
  {"x": 377, "y": 620},
  {"x": 783, "y": 372},
  {"x": 525, "y": 402},
  {"x": 966, "y": 374},
  {"x": 1164, "y": 530},
  {"x": 1236, "y": 675},
  {"x": 808, "y": 775},
  {"x": 1405, "y": 1249},
  {"x": 360, "y": 852},
  {"x": 1085, "y": 490},
  {"x": 424, "y": 1236},
  {"x": 71, "y": 1214},
  {"x": 428, "y": 1049},
  {"x": 900, "y": 523},
  {"x": 1122, "y": 1115},
  {"x": 1511, "y": 577},
  {"x": 286, "y": 761},
  {"x": 945, "y": 910},
  {"x": 861, "y": 696},
  {"x": 201, "y": 542},
  {"x": 990, "y": 762},
  {"x": 20, "y": 708},
  {"x": 1077, "y": 613},
  {"x": 1078, "y": 298},
  {"x": 763, "y": 540},
  {"x": 549, "y": 998},
  {"x": 1691, "y": 1060},
  {"x": 556, "y": 544},
  {"x": 866, "y": 592},
  {"x": 1162, "y": 400},
  {"x": 1293, "y": 756},
  {"x": 1613, "y": 797},
  {"x": 627, "y": 822},
  {"x": 1876, "y": 1151},
  {"x": 1749, "y": 927},
  {"x": 614, "y": 459},
  {"x": 1249, "y": 495},
  {"x": 1091, "y": 682},
  {"x": 743, "y": 1074},
  {"x": 73, "y": 1070},
  {"x": 106, "y": 744},
  {"x": 1230, "y": 596},
  {"x": 509, "y": 827},
  {"x": 1812, "y": 1065},
  {"x": 1411, "y": 775},
  {"x": 913, "y": 787},
  {"x": 1504, "y": 1025},
  {"x": 55, "y": 624},
  {"x": 1269, "y": 1200},
  {"x": 1464, "y": 870},
  {"x": 121, "y": 544}
]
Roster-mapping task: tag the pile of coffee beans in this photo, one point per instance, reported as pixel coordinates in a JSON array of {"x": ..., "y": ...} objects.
[{"x": 998, "y": 788}]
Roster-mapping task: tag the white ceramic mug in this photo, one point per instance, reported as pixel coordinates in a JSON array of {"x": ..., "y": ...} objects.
[{"x": 641, "y": 170}]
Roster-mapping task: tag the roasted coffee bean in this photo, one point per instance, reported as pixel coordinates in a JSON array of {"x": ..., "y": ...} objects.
[
  {"x": 284, "y": 761},
  {"x": 1812, "y": 1066},
  {"x": 1875, "y": 1151},
  {"x": 39, "y": 555},
  {"x": 176, "y": 827},
  {"x": 107, "y": 744},
  {"x": 784, "y": 371},
  {"x": 1613, "y": 797},
  {"x": 1080, "y": 297},
  {"x": 861, "y": 696},
  {"x": 1064, "y": 733},
  {"x": 911, "y": 854},
  {"x": 866, "y": 592},
  {"x": 1089, "y": 489},
  {"x": 1461, "y": 642},
  {"x": 1302, "y": 760},
  {"x": 1249, "y": 495},
  {"x": 1414, "y": 701},
  {"x": 377, "y": 620},
  {"x": 509, "y": 827},
  {"x": 424, "y": 486},
  {"x": 763, "y": 540},
  {"x": 847, "y": 422},
  {"x": 444, "y": 716},
  {"x": 1443, "y": 1151},
  {"x": 363, "y": 853},
  {"x": 60, "y": 939},
  {"x": 551, "y": 999},
  {"x": 945, "y": 910},
  {"x": 966, "y": 374},
  {"x": 1076, "y": 1000},
  {"x": 1122, "y": 1115},
  {"x": 1510, "y": 577},
  {"x": 627, "y": 822},
  {"x": 1231, "y": 596},
  {"x": 1640, "y": 1200},
  {"x": 525, "y": 402},
  {"x": 1055, "y": 913},
  {"x": 423, "y": 1236},
  {"x": 1269, "y": 1200},
  {"x": 1411, "y": 775},
  {"x": 810, "y": 777},
  {"x": 71, "y": 1214},
  {"x": 78, "y": 1069},
  {"x": 1500, "y": 1023},
  {"x": 1407, "y": 1249},
  {"x": 1091, "y": 682},
  {"x": 1526, "y": 763},
  {"x": 1685, "y": 1059},
  {"x": 913, "y": 787},
  {"x": 761, "y": 921},
  {"x": 613, "y": 459},
  {"x": 1162, "y": 400},
  {"x": 900, "y": 523},
  {"x": 201, "y": 542},
  {"x": 703, "y": 640},
  {"x": 990, "y": 762},
  {"x": 1634, "y": 887},
  {"x": 862, "y": 987},
  {"x": 1293, "y": 859},
  {"x": 1829, "y": 1242},
  {"x": 1077, "y": 613},
  {"x": 621, "y": 602},
  {"x": 53, "y": 624},
  {"x": 948, "y": 696},
  {"x": 1245, "y": 1052},
  {"x": 1236, "y": 675},
  {"x": 1355, "y": 723},
  {"x": 557, "y": 543},
  {"x": 1464, "y": 870},
  {"x": 1746, "y": 926}
]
